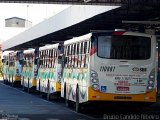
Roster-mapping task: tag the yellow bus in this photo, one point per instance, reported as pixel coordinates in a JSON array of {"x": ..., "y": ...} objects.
[
  {"x": 30, "y": 69},
  {"x": 13, "y": 68},
  {"x": 110, "y": 66},
  {"x": 5, "y": 60},
  {"x": 50, "y": 69}
]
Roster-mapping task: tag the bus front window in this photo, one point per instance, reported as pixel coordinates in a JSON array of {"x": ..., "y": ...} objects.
[{"x": 124, "y": 47}]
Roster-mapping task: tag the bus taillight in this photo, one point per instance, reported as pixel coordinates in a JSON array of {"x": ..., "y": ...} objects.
[
  {"x": 94, "y": 80},
  {"x": 151, "y": 80}
]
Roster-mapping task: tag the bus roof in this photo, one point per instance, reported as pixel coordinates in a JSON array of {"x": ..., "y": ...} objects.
[
  {"x": 46, "y": 47},
  {"x": 78, "y": 39},
  {"x": 29, "y": 51}
]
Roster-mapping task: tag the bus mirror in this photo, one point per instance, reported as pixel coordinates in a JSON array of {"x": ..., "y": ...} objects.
[
  {"x": 7, "y": 63},
  {"x": 92, "y": 38},
  {"x": 59, "y": 59},
  {"x": 35, "y": 61},
  {"x": 40, "y": 62},
  {"x": 65, "y": 60},
  {"x": 3, "y": 60},
  {"x": 24, "y": 62},
  {"x": 59, "y": 47},
  {"x": 21, "y": 62}
]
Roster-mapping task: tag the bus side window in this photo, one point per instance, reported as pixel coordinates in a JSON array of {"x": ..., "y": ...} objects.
[
  {"x": 71, "y": 53},
  {"x": 85, "y": 53},
  {"x": 43, "y": 59},
  {"x": 76, "y": 55},
  {"x": 51, "y": 57},
  {"x": 55, "y": 57},
  {"x": 53, "y": 62},
  {"x": 80, "y": 55},
  {"x": 66, "y": 58},
  {"x": 48, "y": 58},
  {"x": 71, "y": 56},
  {"x": 7, "y": 62}
]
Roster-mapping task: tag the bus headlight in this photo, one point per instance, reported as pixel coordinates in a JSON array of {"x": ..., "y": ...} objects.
[{"x": 95, "y": 86}]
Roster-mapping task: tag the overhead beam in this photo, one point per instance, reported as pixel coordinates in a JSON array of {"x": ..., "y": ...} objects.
[{"x": 77, "y": 2}]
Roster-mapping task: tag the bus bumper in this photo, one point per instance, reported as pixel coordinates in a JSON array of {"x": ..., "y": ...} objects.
[
  {"x": 100, "y": 96},
  {"x": 17, "y": 81}
]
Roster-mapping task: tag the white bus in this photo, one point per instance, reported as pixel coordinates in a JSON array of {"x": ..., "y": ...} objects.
[
  {"x": 13, "y": 68},
  {"x": 110, "y": 66},
  {"x": 5, "y": 60},
  {"x": 30, "y": 69},
  {"x": 50, "y": 69}
]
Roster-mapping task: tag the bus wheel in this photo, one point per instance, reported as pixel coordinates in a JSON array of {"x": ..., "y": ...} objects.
[
  {"x": 12, "y": 84},
  {"x": 48, "y": 92},
  {"x": 28, "y": 86},
  {"x": 78, "y": 105},
  {"x": 39, "y": 87},
  {"x": 65, "y": 96},
  {"x": 23, "y": 85},
  {"x": 67, "y": 102}
]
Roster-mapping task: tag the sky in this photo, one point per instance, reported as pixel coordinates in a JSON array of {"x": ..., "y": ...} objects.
[{"x": 33, "y": 12}]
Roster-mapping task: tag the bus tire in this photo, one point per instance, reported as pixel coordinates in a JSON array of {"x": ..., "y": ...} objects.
[
  {"x": 68, "y": 103},
  {"x": 39, "y": 87},
  {"x": 65, "y": 96},
  {"x": 28, "y": 90},
  {"x": 23, "y": 87},
  {"x": 78, "y": 105},
  {"x": 48, "y": 92}
]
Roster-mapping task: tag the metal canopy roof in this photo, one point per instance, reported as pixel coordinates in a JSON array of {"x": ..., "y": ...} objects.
[
  {"x": 143, "y": 10},
  {"x": 83, "y": 2},
  {"x": 77, "y": 2},
  {"x": 47, "y": 31}
]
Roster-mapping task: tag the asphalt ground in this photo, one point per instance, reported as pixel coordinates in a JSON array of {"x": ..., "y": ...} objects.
[
  {"x": 14, "y": 102},
  {"x": 26, "y": 106}
]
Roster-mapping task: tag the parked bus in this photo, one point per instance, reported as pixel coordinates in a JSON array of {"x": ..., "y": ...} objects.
[
  {"x": 14, "y": 66},
  {"x": 5, "y": 60},
  {"x": 50, "y": 69},
  {"x": 30, "y": 69},
  {"x": 110, "y": 66}
]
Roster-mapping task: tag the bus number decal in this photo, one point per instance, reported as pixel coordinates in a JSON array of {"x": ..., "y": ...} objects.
[{"x": 107, "y": 68}]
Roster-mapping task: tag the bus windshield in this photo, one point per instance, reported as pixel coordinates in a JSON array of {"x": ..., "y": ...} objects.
[{"x": 124, "y": 47}]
